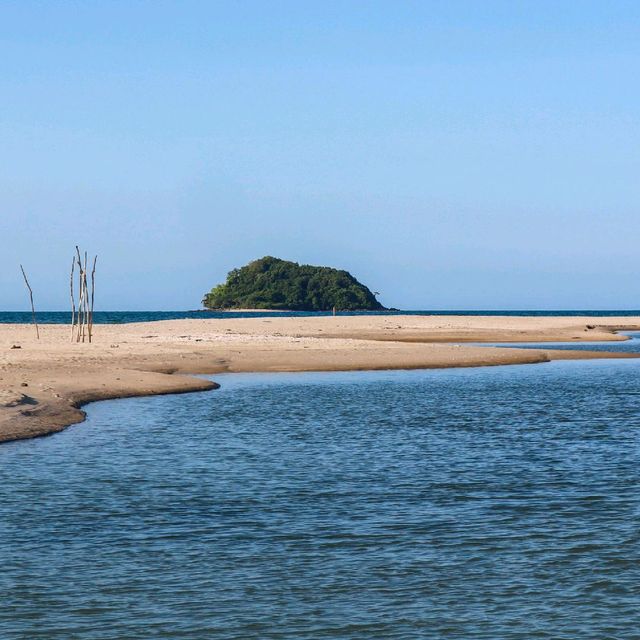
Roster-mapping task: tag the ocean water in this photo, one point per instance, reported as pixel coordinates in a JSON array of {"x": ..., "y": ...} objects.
[
  {"x": 120, "y": 317},
  {"x": 487, "y": 503}
]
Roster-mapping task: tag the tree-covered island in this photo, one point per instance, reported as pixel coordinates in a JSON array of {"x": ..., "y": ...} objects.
[{"x": 271, "y": 283}]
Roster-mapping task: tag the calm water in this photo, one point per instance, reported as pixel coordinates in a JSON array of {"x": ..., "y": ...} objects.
[
  {"x": 493, "y": 503},
  {"x": 118, "y": 317},
  {"x": 632, "y": 345}
]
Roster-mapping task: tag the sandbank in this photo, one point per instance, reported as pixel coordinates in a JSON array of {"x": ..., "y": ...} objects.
[{"x": 44, "y": 383}]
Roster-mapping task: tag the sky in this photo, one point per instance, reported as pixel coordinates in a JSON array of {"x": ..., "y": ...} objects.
[{"x": 451, "y": 155}]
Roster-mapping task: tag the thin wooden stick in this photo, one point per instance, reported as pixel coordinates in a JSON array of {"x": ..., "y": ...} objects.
[
  {"x": 80, "y": 297},
  {"x": 73, "y": 300},
  {"x": 93, "y": 291},
  {"x": 85, "y": 324},
  {"x": 33, "y": 309}
]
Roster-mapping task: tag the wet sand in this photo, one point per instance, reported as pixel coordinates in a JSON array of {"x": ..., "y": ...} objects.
[{"x": 43, "y": 383}]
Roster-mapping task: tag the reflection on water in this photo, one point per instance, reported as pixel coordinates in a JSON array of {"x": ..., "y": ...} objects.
[{"x": 494, "y": 503}]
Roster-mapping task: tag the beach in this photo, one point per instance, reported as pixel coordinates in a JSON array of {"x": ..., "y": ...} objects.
[{"x": 44, "y": 383}]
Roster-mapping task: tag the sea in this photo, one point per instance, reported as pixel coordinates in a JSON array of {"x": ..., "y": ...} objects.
[
  {"x": 122, "y": 317},
  {"x": 491, "y": 503}
]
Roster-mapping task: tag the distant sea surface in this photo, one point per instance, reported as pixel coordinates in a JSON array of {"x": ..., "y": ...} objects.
[{"x": 122, "y": 317}]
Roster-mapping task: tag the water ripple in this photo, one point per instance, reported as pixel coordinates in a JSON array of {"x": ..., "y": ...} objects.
[{"x": 497, "y": 503}]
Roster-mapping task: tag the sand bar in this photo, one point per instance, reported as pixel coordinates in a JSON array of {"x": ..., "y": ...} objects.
[{"x": 44, "y": 383}]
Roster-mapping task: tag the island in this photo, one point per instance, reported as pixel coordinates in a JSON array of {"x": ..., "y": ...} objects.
[{"x": 272, "y": 283}]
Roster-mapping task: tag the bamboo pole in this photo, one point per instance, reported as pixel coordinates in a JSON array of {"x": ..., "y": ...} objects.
[{"x": 33, "y": 309}]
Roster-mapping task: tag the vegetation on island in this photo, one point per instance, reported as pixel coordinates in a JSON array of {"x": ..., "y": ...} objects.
[{"x": 271, "y": 283}]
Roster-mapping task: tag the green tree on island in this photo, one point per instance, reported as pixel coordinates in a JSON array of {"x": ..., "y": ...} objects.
[{"x": 271, "y": 283}]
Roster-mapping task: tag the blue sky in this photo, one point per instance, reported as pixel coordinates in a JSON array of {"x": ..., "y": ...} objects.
[{"x": 449, "y": 154}]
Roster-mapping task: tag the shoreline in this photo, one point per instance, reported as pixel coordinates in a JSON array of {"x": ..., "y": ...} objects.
[{"x": 44, "y": 383}]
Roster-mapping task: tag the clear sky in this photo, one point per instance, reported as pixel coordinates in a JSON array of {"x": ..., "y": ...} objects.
[{"x": 449, "y": 154}]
